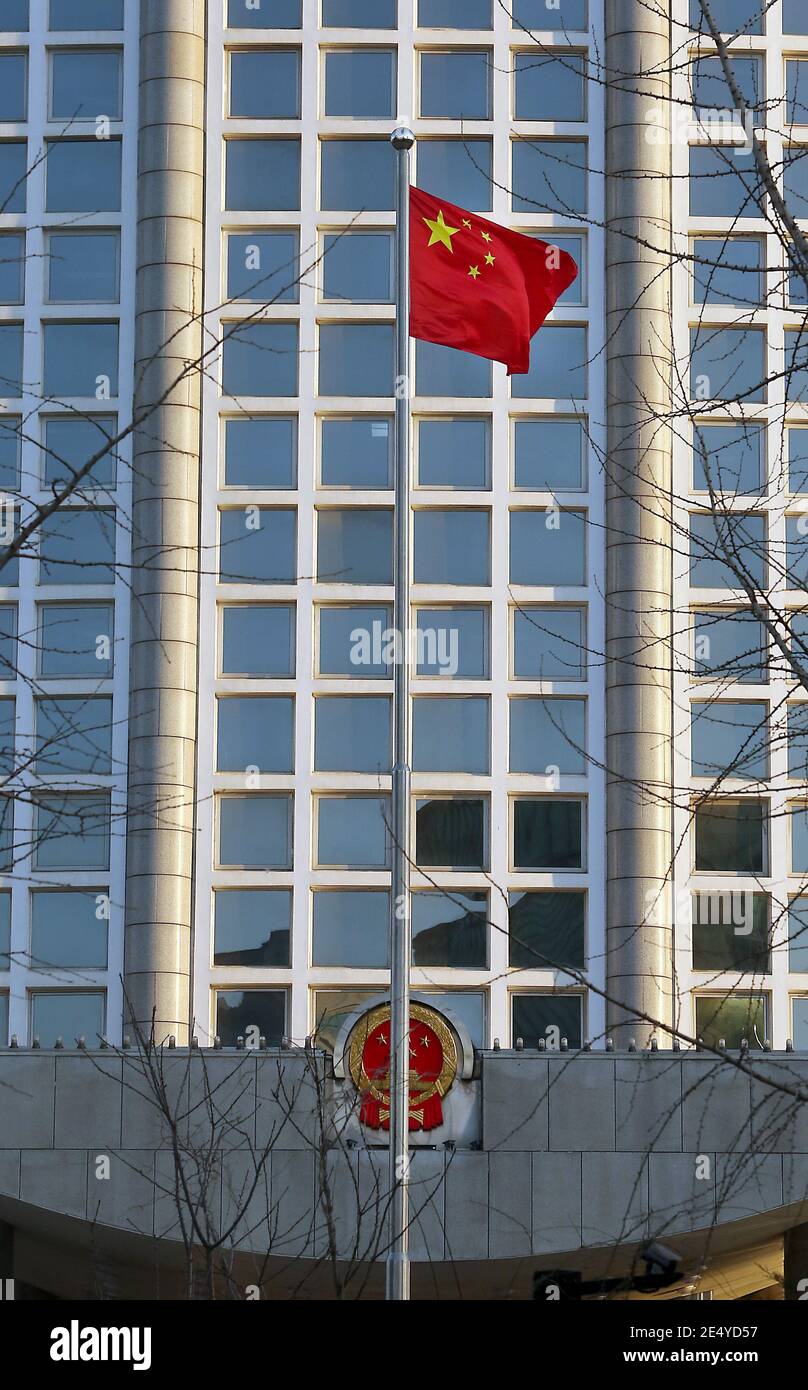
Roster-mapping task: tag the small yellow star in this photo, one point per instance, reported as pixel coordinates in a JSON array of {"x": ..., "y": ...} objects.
[
  {"x": 486, "y": 236},
  {"x": 440, "y": 232},
  {"x": 474, "y": 271},
  {"x": 489, "y": 260},
  {"x": 466, "y": 223}
]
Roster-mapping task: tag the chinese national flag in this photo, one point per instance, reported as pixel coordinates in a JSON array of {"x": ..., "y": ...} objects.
[{"x": 477, "y": 286}]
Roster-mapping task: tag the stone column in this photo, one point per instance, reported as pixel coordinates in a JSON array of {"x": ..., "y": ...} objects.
[
  {"x": 638, "y": 533},
  {"x": 165, "y": 546}
]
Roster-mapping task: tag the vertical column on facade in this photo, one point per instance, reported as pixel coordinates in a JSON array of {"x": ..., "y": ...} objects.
[
  {"x": 638, "y": 530},
  {"x": 165, "y": 547}
]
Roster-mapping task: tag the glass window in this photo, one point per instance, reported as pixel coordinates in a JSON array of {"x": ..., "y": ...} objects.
[
  {"x": 359, "y": 14},
  {"x": 454, "y": 14},
  {"x": 360, "y": 82},
  {"x": 261, "y": 1013},
  {"x": 458, "y": 170},
  {"x": 549, "y": 643},
  {"x": 71, "y": 441},
  {"x": 13, "y": 86},
  {"x": 467, "y": 1006},
  {"x": 797, "y": 935},
  {"x": 257, "y": 545},
  {"x": 797, "y": 287},
  {"x": 77, "y": 546},
  {"x": 549, "y": 455},
  {"x": 798, "y": 741},
  {"x": 356, "y": 452},
  {"x": 451, "y": 833},
  {"x": 548, "y": 1018},
  {"x": 548, "y": 735},
  {"x": 454, "y": 453},
  {"x": 355, "y": 641},
  {"x": 730, "y": 836},
  {"x": 355, "y": 545},
  {"x": 730, "y": 456},
  {"x": 332, "y": 1008},
  {"x": 727, "y": 364},
  {"x": 548, "y": 833},
  {"x": 538, "y": 15},
  {"x": 797, "y": 460},
  {"x": 68, "y": 929},
  {"x": 258, "y": 640},
  {"x": 547, "y": 930},
  {"x": 723, "y": 182},
  {"x": 255, "y": 832},
  {"x": 795, "y": 17},
  {"x": 262, "y": 175},
  {"x": 8, "y": 641},
  {"x": 260, "y": 359},
  {"x": 83, "y": 176},
  {"x": 728, "y": 270},
  {"x": 252, "y": 927},
  {"x": 709, "y": 85},
  {"x": 358, "y": 267},
  {"x": 799, "y": 1028},
  {"x": 730, "y": 646},
  {"x": 548, "y": 547},
  {"x": 71, "y": 830},
  {"x": 799, "y": 839},
  {"x": 268, "y": 14},
  {"x": 729, "y": 738},
  {"x": 265, "y": 83},
  {"x": 742, "y": 536},
  {"x": 357, "y": 175},
  {"x": 13, "y": 175},
  {"x": 451, "y": 734},
  {"x": 86, "y": 14},
  {"x": 452, "y": 642},
  {"x": 73, "y": 735},
  {"x": 732, "y": 1019},
  {"x": 14, "y": 16},
  {"x": 457, "y": 85},
  {"x": 549, "y": 86},
  {"x": 574, "y": 246},
  {"x": 261, "y": 452},
  {"x": 795, "y": 179},
  {"x": 5, "y": 935},
  {"x": 351, "y": 929},
  {"x": 256, "y": 731},
  {"x": 76, "y": 639},
  {"x": 558, "y": 365},
  {"x": 71, "y": 1015},
  {"x": 353, "y": 832},
  {"x": 356, "y": 359},
  {"x": 7, "y": 732},
  {"x": 10, "y": 568},
  {"x": 10, "y": 452},
  {"x": 452, "y": 546},
  {"x": 796, "y": 552},
  {"x": 731, "y": 932},
  {"x": 263, "y": 267},
  {"x": 80, "y": 359},
  {"x": 550, "y": 176},
  {"x": 352, "y": 733},
  {"x": 450, "y": 929},
  {"x": 797, "y": 91},
  {"x": 86, "y": 84},
  {"x": 12, "y": 268},
  {"x": 796, "y": 365},
  {"x": 445, "y": 371},
  {"x": 11, "y": 359}
]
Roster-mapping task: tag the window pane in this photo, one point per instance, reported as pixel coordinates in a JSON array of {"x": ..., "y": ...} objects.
[
  {"x": 79, "y": 358},
  {"x": 457, "y": 85},
  {"x": 549, "y": 644},
  {"x": 262, "y": 175},
  {"x": 799, "y": 1030},
  {"x": 549, "y": 455},
  {"x": 12, "y": 268},
  {"x": 548, "y": 547},
  {"x": 257, "y": 546},
  {"x": 261, "y": 452},
  {"x": 355, "y": 546},
  {"x": 76, "y": 639},
  {"x": 558, "y": 365},
  {"x": 13, "y": 86},
  {"x": 256, "y": 732},
  {"x": 730, "y": 837},
  {"x": 5, "y": 939},
  {"x": 730, "y": 646},
  {"x": 550, "y": 176},
  {"x": 729, "y": 739},
  {"x": 454, "y": 453},
  {"x": 7, "y": 732},
  {"x": 255, "y": 832},
  {"x": 452, "y": 642},
  {"x": 731, "y": 932},
  {"x": 84, "y": 176},
  {"x": 451, "y": 833},
  {"x": 451, "y": 734},
  {"x": 274, "y": 14},
  {"x": 797, "y": 460},
  {"x": 71, "y": 1016},
  {"x": 796, "y": 365},
  {"x": 351, "y": 929},
  {"x": 86, "y": 14},
  {"x": 71, "y": 441},
  {"x": 263, "y": 267},
  {"x": 795, "y": 179},
  {"x": 353, "y": 832},
  {"x": 467, "y": 1007},
  {"x": 66, "y": 930},
  {"x": 360, "y": 14},
  {"x": 73, "y": 735},
  {"x": 72, "y": 533},
  {"x": 454, "y": 14},
  {"x": 795, "y": 17},
  {"x": 11, "y": 359},
  {"x": 10, "y": 568},
  {"x": 798, "y": 741},
  {"x": 360, "y": 83},
  {"x": 265, "y": 83},
  {"x": 538, "y": 15},
  {"x": 260, "y": 1012},
  {"x": 798, "y": 935},
  {"x": 260, "y": 359},
  {"x": 353, "y": 641},
  {"x": 727, "y": 364},
  {"x": 575, "y": 246},
  {"x": 357, "y": 175},
  {"x": 546, "y": 930},
  {"x": 796, "y": 553},
  {"x": 711, "y": 92},
  {"x": 258, "y": 640},
  {"x": 548, "y": 734},
  {"x": 333, "y": 1007},
  {"x": 548, "y": 834},
  {"x": 741, "y": 537},
  {"x": 457, "y": 170},
  {"x": 452, "y": 547},
  {"x": 8, "y": 642},
  {"x": 352, "y": 733},
  {"x": 14, "y": 16},
  {"x": 450, "y": 929},
  {"x": 735, "y": 1019},
  {"x": 356, "y": 453},
  {"x": 356, "y": 359},
  {"x": 734, "y": 458},
  {"x": 549, "y": 1018},
  {"x": 252, "y": 927},
  {"x": 445, "y": 371},
  {"x": 727, "y": 271},
  {"x": 358, "y": 267},
  {"x": 13, "y": 175},
  {"x": 549, "y": 87},
  {"x": 85, "y": 84},
  {"x": 72, "y": 831},
  {"x": 10, "y": 450},
  {"x": 723, "y": 182}
]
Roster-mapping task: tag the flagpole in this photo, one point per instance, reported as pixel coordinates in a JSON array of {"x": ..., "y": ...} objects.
[{"x": 398, "y": 1259}]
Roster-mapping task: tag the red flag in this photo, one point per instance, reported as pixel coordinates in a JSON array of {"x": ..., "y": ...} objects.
[{"x": 477, "y": 286}]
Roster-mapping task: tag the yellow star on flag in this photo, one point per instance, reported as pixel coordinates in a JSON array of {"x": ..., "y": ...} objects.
[
  {"x": 466, "y": 223},
  {"x": 486, "y": 236},
  {"x": 474, "y": 271},
  {"x": 440, "y": 232},
  {"x": 489, "y": 260}
]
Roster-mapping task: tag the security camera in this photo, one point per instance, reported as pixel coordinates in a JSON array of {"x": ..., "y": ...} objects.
[{"x": 659, "y": 1259}]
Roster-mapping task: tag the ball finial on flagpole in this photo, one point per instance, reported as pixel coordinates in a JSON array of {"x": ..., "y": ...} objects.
[{"x": 402, "y": 138}]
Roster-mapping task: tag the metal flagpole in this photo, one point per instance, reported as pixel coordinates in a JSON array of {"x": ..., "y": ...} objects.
[{"x": 398, "y": 1259}]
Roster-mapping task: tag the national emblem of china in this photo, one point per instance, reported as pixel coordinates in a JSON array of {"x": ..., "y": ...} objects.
[{"x": 433, "y": 1067}]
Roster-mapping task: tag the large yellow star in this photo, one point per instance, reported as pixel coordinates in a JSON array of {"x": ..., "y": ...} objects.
[{"x": 440, "y": 232}]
